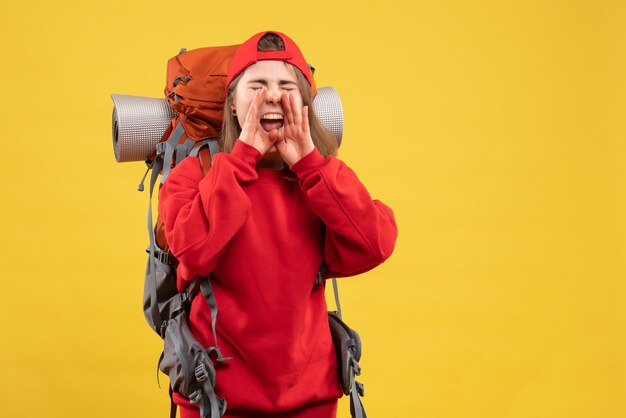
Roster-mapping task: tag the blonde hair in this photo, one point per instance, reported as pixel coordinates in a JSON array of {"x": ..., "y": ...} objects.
[{"x": 323, "y": 140}]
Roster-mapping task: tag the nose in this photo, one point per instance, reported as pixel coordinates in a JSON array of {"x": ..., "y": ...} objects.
[{"x": 273, "y": 94}]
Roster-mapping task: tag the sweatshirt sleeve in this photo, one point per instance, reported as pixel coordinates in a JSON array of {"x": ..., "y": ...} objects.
[
  {"x": 360, "y": 232},
  {"x": 202, "y": 213}
]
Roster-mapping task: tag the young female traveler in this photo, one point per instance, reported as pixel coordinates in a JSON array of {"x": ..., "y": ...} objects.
[{"x": 275, "y": 206}]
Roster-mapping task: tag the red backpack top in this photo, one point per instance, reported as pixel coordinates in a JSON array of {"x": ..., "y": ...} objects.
[{"x": 196, "y": 89}]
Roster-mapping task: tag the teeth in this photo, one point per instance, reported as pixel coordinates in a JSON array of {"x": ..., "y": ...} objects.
[{"x": 273, "y": 116}]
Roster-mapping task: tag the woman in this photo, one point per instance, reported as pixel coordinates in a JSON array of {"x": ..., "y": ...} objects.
[{"x": 275, "y": 206}]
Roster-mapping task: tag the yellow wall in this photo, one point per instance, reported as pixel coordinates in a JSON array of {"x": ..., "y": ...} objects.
[{"x": 495, "y": 129}]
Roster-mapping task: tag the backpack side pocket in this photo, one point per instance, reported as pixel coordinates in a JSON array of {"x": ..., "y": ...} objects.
[{"x": 189, "y": 367}]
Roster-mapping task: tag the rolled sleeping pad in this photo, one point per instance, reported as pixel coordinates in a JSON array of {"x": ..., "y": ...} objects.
[{"x": 140, "y": 122}]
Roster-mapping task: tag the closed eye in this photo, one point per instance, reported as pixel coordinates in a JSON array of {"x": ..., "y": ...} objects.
[
  {"x": 288, "y": 85},
  {"x": 257, "y": 84}
]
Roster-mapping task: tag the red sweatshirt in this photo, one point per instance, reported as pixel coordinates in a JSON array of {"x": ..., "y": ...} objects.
[{"x": 259, "y": 233}]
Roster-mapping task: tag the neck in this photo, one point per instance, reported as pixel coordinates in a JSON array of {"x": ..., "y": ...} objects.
[{"x": 272, "y": 160}]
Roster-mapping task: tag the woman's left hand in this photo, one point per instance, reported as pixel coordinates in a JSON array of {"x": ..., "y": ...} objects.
[{"x": 294, "y": 140}]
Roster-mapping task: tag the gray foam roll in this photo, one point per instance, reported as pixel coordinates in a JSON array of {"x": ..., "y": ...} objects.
[
  {"x": 138, "y": 125},
  {"x": 327, "y": 105},
  {"x": 139, "y": 122}
]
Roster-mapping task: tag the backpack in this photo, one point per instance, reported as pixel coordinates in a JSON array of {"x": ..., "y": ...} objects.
[
  {"x": 195, "y": 88},
  {"x": 164, "y": 133}
]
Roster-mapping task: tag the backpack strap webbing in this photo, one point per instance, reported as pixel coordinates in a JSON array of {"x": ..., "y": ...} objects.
[
  {"x": 172, "y": 404},
  {"x": 207, "y": 291},
  {"x": 167, "y": 149},
  {"x": 336, "y": 291},
  {"x": 356, "y": 406},
  {"x": 208, "y": 401},
  {"x": 157, "y": 164},
  {"x": 211, "y": 143},
  {"x": 183, "y": 150}
]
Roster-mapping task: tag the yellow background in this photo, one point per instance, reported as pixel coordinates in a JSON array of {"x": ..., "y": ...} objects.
[{"x": 495, "y": 130}]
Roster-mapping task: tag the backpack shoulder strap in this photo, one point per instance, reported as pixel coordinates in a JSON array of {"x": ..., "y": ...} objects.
[
  {"x": 162, "y": 163},
  {"x": 205, "y": 151}
]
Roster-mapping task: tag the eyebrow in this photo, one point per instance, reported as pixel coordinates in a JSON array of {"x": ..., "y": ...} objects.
[{"x": 265, "y": 82}]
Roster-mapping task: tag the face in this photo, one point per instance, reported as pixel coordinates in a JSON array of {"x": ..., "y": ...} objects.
[{"x": 277, "y": 77}]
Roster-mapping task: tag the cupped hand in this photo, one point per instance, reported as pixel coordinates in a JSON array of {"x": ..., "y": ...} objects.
[
  {"x": 251, "y": 132},
  {"x": 294, "y": 140}
]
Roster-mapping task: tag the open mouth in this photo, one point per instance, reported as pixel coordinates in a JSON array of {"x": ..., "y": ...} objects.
[{"x": 271, "y": 121}]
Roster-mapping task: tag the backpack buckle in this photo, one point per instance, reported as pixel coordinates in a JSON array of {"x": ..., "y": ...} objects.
[
  {"x": 201, "y": 373},
  {"x": 160, "y": 148},
  {"x": 195, "y": 397},
  {"x": 182, "y": 305},
  {"x": 184, "y": 298},
  {"x": 162, "y": 330},
  {"x": 319, "y": 278},
  {"x": 356, "y": 367},
  {"x": 360, "y": 388},
  {"x": 163, "y": 256}
]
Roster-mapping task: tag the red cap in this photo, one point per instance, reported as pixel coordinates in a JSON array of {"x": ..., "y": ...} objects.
[{"x": 247, "y": 55}]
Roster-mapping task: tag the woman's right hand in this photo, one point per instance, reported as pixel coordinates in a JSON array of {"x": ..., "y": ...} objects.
[{"x": 251, "y": 132}]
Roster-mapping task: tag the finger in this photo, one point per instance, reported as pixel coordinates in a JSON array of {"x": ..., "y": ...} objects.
[
  {"x": 297, "y": 113},
  {"x": 305, "y": 119},
  {"x": 253, "y": 112},
  {"x": 251, "y": 126},
  {"x": 282, "y": 146},
  {"x": 248, "y": 128},
  {"x": 274, "y": 136},
  {"x": 288, "y": 114}
]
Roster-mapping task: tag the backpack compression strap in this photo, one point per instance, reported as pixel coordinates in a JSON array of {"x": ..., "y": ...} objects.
[
  {"x": 336, "y": 291},
  {"x": 157, "y": 164}
]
